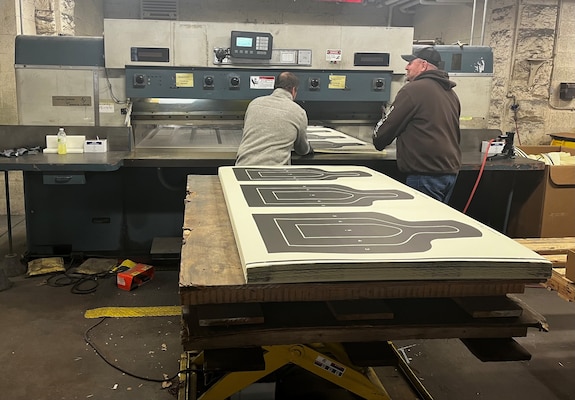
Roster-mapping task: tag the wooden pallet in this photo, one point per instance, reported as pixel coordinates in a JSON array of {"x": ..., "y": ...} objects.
[
  {"x": 222, "y": 326},
  {"x": 555, "y": 250}
]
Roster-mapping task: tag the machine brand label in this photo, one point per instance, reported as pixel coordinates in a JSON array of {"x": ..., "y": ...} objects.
[{"x": 82, "y": 101}]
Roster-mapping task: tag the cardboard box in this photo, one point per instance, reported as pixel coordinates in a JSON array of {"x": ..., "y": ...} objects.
[
  {"x": 549, "y": 208},
  {"x": 570, "y": 266},
  {"x": 134, "y": 277}
]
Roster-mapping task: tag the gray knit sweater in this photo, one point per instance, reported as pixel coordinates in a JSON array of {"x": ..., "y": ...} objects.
[{"x": 273, "y": 126}]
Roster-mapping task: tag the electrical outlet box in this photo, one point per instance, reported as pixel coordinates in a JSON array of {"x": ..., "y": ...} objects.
[
  {"x": 566, "y": 91},
  {"x": 494, "y": 147}
]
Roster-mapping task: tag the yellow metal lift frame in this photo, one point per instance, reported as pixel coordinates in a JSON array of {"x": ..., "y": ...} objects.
[{"x": 337, "y": 369}]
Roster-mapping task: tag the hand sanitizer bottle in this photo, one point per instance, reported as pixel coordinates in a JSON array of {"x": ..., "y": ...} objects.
[{"x": 62, "y": 141}]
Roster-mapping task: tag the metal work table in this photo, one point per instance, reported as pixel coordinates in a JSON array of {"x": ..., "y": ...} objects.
[
  {"x": 114, "y": 160},
  {"x": 129, "y": 196},
  {"x": 110, "y": 161}
]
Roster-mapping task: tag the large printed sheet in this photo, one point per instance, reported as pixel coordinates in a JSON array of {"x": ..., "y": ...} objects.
[
  {"x": 350, "y": 223},
  {"x": 328, "y": 140}
]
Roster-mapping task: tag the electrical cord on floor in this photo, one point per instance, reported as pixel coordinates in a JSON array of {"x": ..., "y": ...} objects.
[
  {"x": 172, "y": 390},
  {"x": 77, "y": 281},
  {"x": 478, "y": 176},
  {"x": 88, "y": 340},
  {"x": 93, "y": 346}
]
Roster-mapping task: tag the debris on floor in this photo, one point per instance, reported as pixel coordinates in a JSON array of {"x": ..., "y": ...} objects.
[
  {"x": 94, "y": 266},
  {"x": 41, "y": 266}
]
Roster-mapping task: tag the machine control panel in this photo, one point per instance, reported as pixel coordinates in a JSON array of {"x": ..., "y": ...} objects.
[
  {"x": 251, "y": 45},
  {"x": 249, "y": 83}
]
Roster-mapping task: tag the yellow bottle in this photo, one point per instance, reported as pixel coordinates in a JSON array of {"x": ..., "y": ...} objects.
[{"x": 62, "y": 149}]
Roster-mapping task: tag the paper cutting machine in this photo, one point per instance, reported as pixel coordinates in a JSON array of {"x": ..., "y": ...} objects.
[
  {"x": 203, "y": 108},
  {"x": 169, "y": 107}
]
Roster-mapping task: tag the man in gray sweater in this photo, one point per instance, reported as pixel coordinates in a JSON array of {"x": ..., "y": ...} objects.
[{"x": 273, "y": 126}]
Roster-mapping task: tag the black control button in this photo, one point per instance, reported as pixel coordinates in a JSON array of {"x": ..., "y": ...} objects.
[
  {"x": 378, "y": 84},
  {"x": 234, "y": 82},
  {"x": 208, "y": 81},
  {"x": 139, "y": 80},
  {"x": 314, "y": 83}
]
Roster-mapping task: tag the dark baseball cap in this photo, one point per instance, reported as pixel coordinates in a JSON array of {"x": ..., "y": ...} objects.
[{"x": 428, "y": 54}]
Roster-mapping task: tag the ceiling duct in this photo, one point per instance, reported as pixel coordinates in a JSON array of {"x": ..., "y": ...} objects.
[
  {"x": 406, "y": 7},
  {"x": 159, "y": 9}
]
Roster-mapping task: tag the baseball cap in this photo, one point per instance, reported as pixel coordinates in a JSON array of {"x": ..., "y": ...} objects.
[{"x": 428, "y": 54}]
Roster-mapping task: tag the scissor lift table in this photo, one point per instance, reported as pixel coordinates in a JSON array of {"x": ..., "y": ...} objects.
[{"x": 235, "y": 334}]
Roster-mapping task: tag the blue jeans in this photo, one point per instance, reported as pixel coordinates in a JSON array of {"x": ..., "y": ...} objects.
[{"x": 440, "y": 187}]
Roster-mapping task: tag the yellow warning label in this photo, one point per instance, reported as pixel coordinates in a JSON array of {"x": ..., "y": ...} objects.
[
  {"x": 133, "y": 312},
  {"x": 184, "y": 79},
  {"x": 337, "y": 82}
]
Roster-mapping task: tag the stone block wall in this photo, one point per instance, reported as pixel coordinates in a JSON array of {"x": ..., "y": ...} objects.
[{"x": 530, "y": 40}]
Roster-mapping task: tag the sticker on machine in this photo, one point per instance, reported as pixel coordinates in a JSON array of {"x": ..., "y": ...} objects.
[
  {"x": 330, "y": 366},
  {"x": 262, "y": 82},
  {"x": 333, "y": 55}
]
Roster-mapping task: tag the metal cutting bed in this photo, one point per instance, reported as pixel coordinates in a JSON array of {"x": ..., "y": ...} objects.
[{"x": 209, "y": 137}]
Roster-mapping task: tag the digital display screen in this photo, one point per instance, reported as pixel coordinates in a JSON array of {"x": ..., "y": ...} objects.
[
  {"x": 372, "y": 59},
  {"x": 153, "y": 54},
  {"x": 252, "y": 45},
  {"x": 242, "y": 41},
  {"x": 150, "y": 53}
]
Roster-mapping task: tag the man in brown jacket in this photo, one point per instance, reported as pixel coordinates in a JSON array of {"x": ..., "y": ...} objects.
[{"x": 424, "y": 118}]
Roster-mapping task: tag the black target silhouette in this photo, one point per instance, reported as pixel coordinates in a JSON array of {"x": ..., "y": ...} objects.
[
  {"x": 294, "y": 174},
  {"x": 316, "y": 195},
  {"x": 362, "y": 232}
]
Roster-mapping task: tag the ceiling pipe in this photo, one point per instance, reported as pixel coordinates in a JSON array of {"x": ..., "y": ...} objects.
[
  {"x": 392, "y": 4},
  {"x": 473, "y": 22},
  {"x": 404, "y": 8},
  {"x": 483, "y": 22},
  {"x": 390, "y": 15}
]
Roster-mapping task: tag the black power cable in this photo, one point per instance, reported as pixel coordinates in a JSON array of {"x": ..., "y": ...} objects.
[
  {"x": 81, "y": 283},
  {"x": 88, "y": 340}
]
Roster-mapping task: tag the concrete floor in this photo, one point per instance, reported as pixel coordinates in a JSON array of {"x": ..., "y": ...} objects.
[{"x": 43, "y": 353}]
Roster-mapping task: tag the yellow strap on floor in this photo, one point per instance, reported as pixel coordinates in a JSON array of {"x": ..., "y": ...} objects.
[{"x": 130, "y": 312}]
